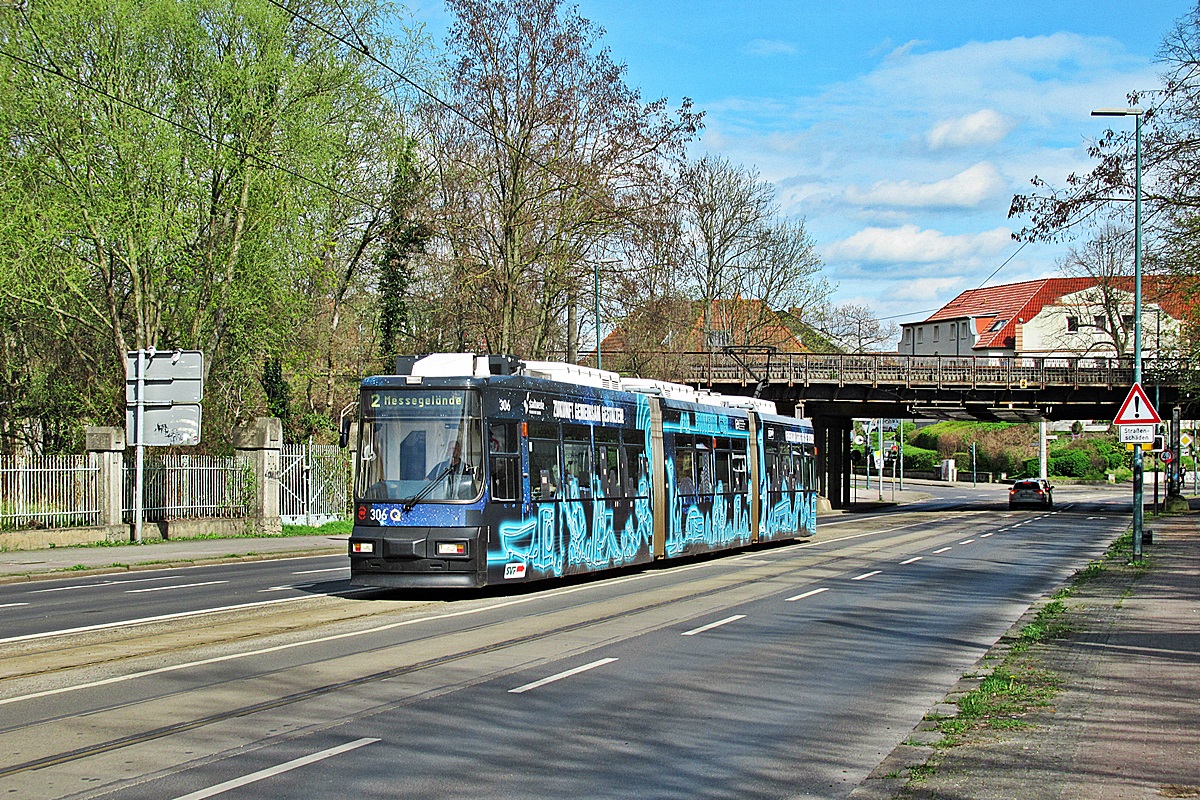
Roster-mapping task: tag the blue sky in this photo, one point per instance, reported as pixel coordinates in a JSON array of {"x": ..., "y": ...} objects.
[{"x": 898, "y": 131}]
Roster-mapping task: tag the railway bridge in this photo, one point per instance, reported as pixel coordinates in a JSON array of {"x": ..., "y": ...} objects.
[{"x": 834, "y": 389}]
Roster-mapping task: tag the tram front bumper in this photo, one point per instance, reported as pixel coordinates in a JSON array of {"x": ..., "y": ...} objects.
[{"x": 417, "y": 556}]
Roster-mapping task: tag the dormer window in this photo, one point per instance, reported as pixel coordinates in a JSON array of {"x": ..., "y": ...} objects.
[{"x": 997, "y": 325}]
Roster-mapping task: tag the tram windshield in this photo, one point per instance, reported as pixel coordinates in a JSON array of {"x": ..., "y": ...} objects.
[{"x": 420, "y": 445}]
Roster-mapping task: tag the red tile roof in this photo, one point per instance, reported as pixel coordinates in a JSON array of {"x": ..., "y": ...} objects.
[{"x": 1011, "y": 303}]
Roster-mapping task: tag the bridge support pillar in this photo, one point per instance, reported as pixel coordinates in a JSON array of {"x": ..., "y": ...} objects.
[{"x": 833, "y": 459}]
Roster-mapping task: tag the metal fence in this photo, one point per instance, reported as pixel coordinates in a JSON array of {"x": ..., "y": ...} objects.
[
  {"x": 185, "y": 486},
  {"x": 48, "y": 491},
  {"x": 314, "y": 484}
]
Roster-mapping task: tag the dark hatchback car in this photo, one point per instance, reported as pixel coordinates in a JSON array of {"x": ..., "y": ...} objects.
[{"x": 1032, "y": 492}]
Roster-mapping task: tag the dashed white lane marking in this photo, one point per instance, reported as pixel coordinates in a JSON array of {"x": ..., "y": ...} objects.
[
  {"x": 944, "y": 549},
  {"x": 866, "y": 575},
  {"x": 912, "y": 560},
  {"x": 287, "y": 766},
  {"x": 984, "y": 535},
  {"x": 968, "y": 541},
  {"x": 13, "y": 605},
  {"x": 537, "y": 684},
  {"x": 716, "y": 624},
  {"x": 806, "y": 594},
  {"x": 102, "y": 584},
  {"x": 174, "y": 586},
  {"x": 318, "y": 571}
]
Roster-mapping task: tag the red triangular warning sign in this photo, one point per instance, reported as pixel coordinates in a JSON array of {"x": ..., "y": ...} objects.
[{"x": 1136, "y": 410}]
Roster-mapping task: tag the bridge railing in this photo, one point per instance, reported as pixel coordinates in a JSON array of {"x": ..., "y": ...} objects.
[{"x": 937, "y": 371}]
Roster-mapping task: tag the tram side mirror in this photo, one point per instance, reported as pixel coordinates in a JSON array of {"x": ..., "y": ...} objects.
[{"x": 344, "y": 438}]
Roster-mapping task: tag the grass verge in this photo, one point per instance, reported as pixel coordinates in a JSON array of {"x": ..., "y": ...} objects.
[{"x": 1018, "y": 683}]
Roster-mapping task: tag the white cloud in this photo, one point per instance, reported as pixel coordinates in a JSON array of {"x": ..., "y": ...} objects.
[
  {"x": 910, "y": 244},
  {"x": 980, "y": 129},
  {"x": 967, "y": 189},
  {"x": 770, "y": 47},
  {"x": 924, "y": 288}
]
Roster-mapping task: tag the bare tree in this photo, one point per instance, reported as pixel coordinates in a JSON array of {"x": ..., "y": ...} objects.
[
  {"x": 1106, "y": 307},
  {"x": 857, "y": 329},
  {"x": 734, "y": 244},
  {"x": 543, "y": 155}
]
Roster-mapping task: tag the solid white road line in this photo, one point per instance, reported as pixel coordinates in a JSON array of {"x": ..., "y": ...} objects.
[
  {"x": 145, "y": 620},
  {"x": 716, "y": 624},
  {"x": 13, "y": 605},
  {"x": 287, "y": 766},
  {"x": 173, "y": 586},
  {"x": 317, "y": 571},
  {"x": 866, "y": 575},
  {"x": 537, "y": 684},
  {"x": 806, "y": 594},
  {"x": 912, "y": 560},
  {"x": 944, "y": 549}
]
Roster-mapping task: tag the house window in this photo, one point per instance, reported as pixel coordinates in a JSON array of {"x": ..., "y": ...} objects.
[
  {"x": 966, "y": 332},
  {"x": 953, "y": 330},
  {"x": 1072, "y": 325},
  {"x": 997, "y": 325},
  {"x": 936, "y": 330},
  {"x": 920, "y": 335},
  {"x": 1127, "y": 320},
  {"x": 1099, "y": 322},
  {"x": 907, "y": 334}
]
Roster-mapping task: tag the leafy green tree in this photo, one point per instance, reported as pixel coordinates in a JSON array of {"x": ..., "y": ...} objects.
[{"x": 192, "y": 173}]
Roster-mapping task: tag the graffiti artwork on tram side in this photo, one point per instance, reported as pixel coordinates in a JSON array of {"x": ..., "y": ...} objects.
[
  {"x": 794, "y": 512},
  {"x": 725, "y": 523},
  {"x": 577, "y": 532}
]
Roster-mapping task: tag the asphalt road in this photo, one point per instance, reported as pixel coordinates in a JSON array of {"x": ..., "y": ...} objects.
[{"x": 786, "y": 671}]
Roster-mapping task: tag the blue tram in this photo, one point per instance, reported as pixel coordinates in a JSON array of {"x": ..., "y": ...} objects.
[{"x": 477, "y": 470}]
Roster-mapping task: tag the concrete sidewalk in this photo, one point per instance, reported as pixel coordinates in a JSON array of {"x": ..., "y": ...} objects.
[
  {"x": 1126, "y": 723},
  {"x": 58, "y": 562}
]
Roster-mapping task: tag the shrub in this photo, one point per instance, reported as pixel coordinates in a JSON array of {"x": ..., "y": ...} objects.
[
  {"x": 1072, "y": 463},
  {"x": 920, "y": 459}
]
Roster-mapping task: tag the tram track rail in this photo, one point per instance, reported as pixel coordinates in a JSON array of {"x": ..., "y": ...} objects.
[{"x": 770, "y": 570}]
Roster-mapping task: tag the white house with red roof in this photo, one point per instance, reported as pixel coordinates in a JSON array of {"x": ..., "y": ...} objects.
[{"x": 1051, "y": 317}]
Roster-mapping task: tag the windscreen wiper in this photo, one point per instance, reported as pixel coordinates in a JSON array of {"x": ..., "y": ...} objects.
[{"x": 419, "y": 496}]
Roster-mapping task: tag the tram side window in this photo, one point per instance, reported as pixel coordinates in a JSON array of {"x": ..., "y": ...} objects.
[
  {"x": 635, "y": 468},
  {"x": 577, "y": 457},
  {"x": 608, "y": 457},
  {"x": 741, "y": 478},
  {"x": 722, "y": 458},
  {"x": 685, "y": 464},
  {"x": 704, "y": 464},
  {"x": 505, "y": 461},
  {"x": 797, "y": 468},
  {"x": 810, "y": 471},
  {"x": 544, "y": 473},
  {"x": 776, "y": 467}
]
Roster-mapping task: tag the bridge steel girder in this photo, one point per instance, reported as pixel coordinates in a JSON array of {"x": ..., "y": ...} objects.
[{"x": 987, "y": 404}]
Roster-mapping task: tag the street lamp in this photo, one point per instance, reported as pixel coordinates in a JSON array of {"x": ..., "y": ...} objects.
[{"x": 1138, "y": 466}]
